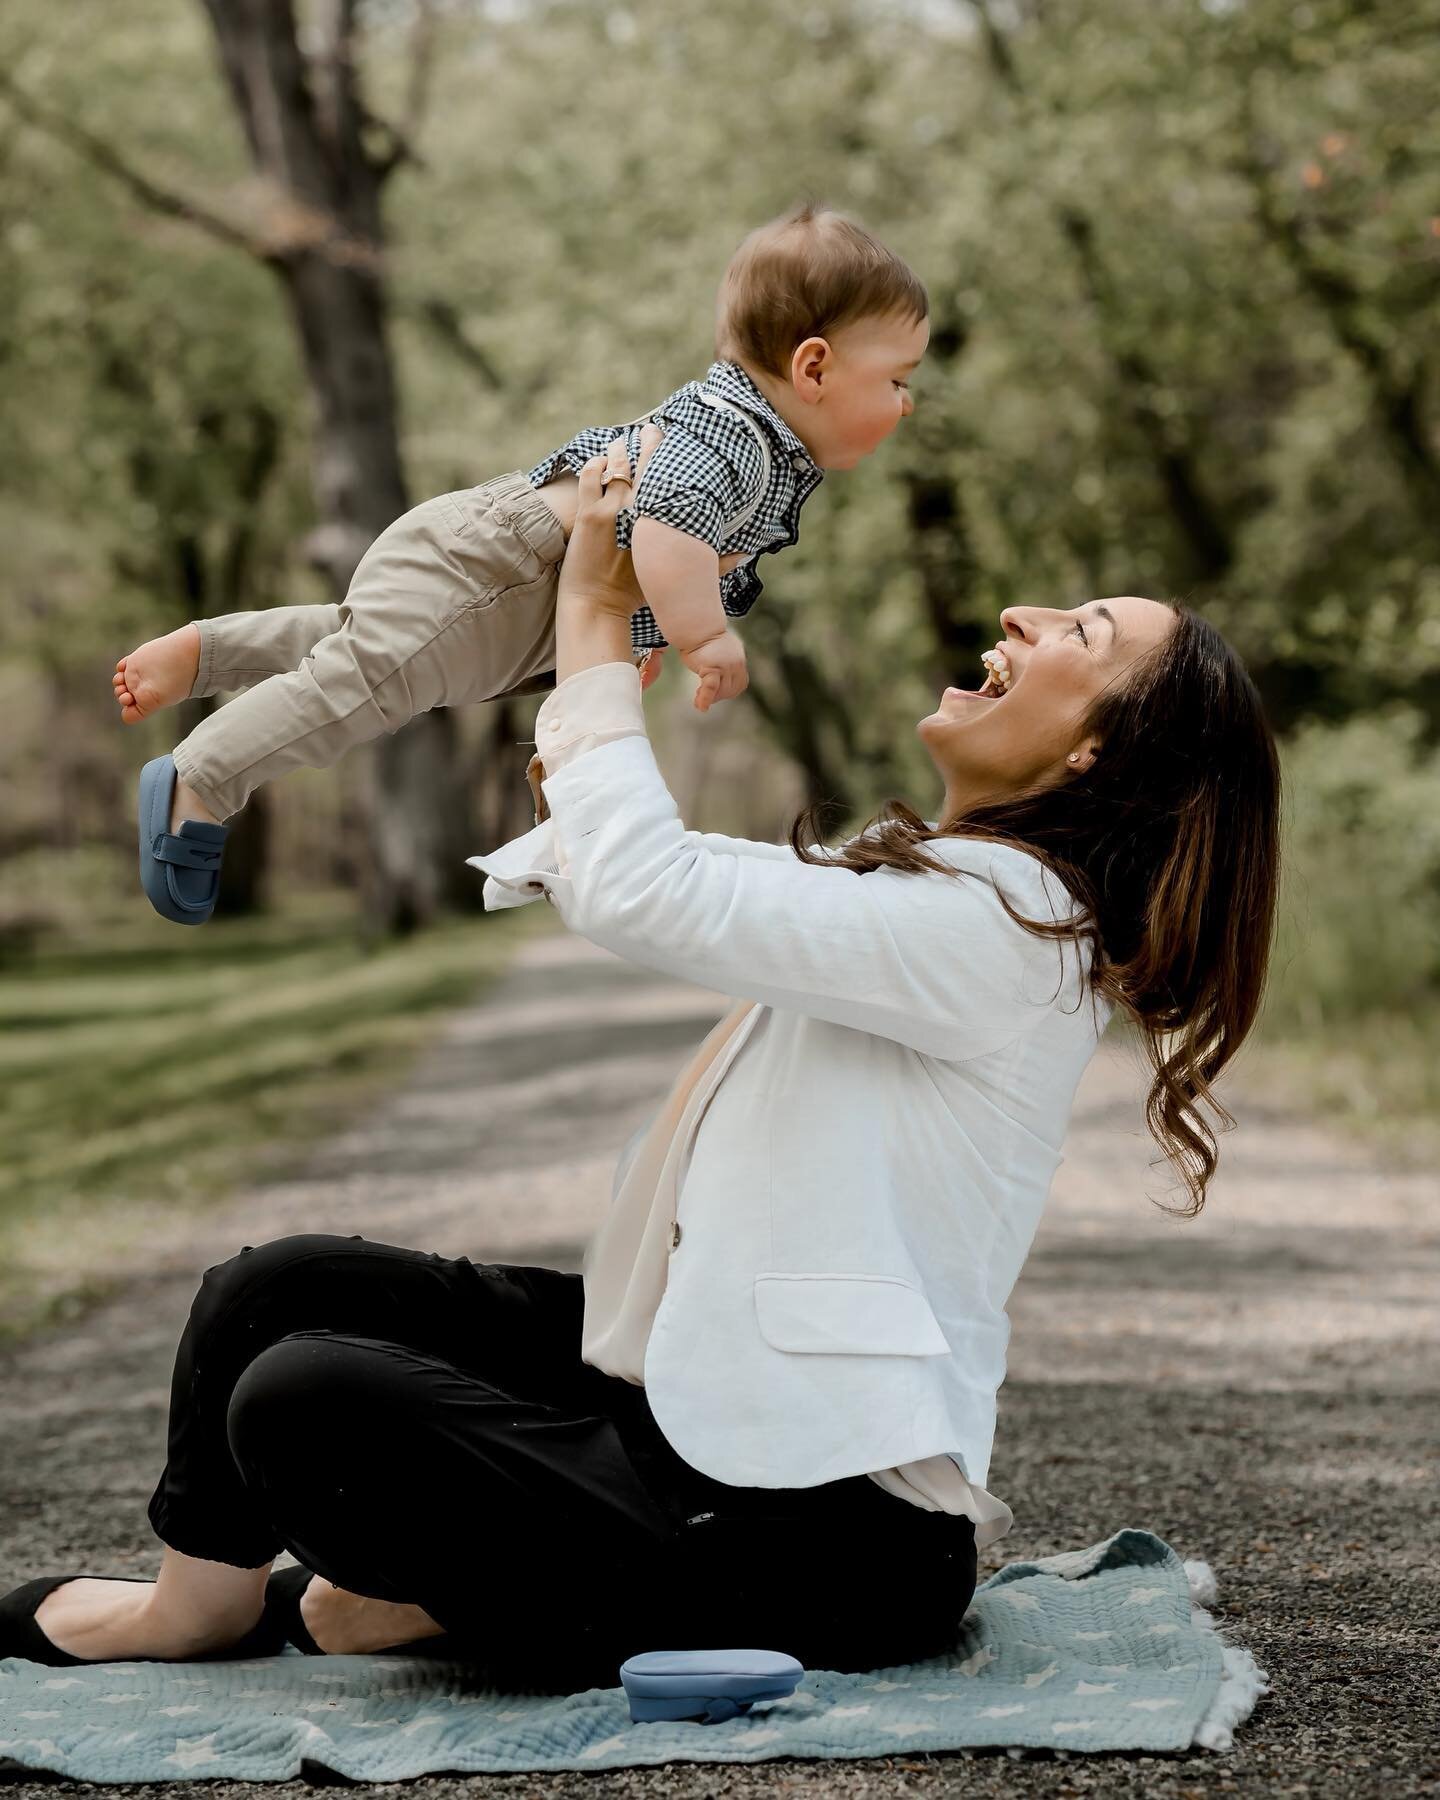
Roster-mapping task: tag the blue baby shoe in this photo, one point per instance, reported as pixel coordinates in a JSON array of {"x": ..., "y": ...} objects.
[
  {"x": 708, "y": 1686},
  {"x": 180, "y": 871}
]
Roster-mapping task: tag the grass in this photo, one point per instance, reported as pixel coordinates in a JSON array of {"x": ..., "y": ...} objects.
[
  {"x": 150, "y": 1071},
  {"x": 1376, "y": 1077}
]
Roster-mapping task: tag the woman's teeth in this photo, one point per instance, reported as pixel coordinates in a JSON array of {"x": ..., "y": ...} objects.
[{"x": 999, "y": 674}]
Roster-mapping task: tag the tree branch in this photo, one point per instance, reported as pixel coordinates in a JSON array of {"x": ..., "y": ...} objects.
[
  {"x": 292, "y": 228},
  {"x": 302, "y": 229},
  {"x": 445, "y": 321},
  {"x": 111, "y": 162}
]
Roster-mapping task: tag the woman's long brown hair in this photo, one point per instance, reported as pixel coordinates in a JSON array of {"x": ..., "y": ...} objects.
[{"x": 1169, "y": 845}]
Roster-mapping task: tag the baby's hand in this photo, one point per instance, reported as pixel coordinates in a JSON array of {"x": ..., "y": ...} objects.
[{"x": 720, "y": 664}]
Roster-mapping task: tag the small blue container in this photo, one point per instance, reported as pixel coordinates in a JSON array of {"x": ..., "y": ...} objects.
[{"x": 707, "y": 1686}]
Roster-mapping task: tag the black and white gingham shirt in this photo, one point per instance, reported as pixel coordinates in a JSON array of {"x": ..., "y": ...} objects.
[{"x": 708, "y": 478}]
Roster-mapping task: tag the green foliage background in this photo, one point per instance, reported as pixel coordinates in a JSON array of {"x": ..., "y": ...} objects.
[{"x": 1159, "y": 235}]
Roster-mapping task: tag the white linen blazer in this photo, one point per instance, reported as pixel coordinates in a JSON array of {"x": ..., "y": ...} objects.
[{"x": 864, "y": 1186}]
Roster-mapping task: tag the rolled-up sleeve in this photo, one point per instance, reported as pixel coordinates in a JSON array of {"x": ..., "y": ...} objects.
[
  {"x": 590, "y": 708},
  {"x": 596, "y": 706}
]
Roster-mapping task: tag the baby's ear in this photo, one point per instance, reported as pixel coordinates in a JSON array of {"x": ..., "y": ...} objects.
[{"x": 811, "y": 362}]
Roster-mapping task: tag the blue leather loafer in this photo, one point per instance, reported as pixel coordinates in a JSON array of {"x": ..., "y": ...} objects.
[{"x": 179, "y": 871}]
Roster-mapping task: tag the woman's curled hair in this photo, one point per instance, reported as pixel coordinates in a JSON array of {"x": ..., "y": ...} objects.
[{"x": 1169, "y": 846}]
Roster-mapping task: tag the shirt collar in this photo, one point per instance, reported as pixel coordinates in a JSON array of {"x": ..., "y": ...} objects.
[{"x": 729, "y": 381}]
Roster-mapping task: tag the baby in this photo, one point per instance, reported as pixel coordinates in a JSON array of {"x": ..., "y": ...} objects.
[{"x": 818, "y": 327}]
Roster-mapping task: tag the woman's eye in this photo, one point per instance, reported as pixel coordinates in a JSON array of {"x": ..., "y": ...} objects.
[
  {"x": 903, "y": 384},
  {"x": 1081, "y": 629}
]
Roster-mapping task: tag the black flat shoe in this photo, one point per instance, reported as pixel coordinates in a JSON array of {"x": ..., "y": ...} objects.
[
  {"x": 282, "y": 1618},
  {"x": 21, "y": 1636},
  {"x": 282, "y": 1607}
]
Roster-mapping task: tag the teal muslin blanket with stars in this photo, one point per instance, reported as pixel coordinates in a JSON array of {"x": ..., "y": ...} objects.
[{"x": 1108, "y": 1648}]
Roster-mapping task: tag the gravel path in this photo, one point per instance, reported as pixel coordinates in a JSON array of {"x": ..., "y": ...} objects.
[{"x": 1258, "y": 1387}]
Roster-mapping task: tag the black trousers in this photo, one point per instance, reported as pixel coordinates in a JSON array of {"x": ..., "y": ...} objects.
[{"x": 422, "y": 1429}]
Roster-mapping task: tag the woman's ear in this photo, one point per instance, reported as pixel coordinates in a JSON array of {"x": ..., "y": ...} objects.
[{"x": 1082, "y": 756}]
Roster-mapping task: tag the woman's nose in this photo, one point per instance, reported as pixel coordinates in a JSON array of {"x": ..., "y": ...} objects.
[
  {"x": 1013, "y": 620},
  {"x": 1026, "y": 622}
]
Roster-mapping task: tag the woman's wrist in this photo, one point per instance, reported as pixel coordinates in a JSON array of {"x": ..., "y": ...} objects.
[{"x": 587, "y": 634}]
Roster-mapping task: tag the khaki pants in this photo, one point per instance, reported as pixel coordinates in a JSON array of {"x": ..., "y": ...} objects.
[{"x": 453, "y": 602}]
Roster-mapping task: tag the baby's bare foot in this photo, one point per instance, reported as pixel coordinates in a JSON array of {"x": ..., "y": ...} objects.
[
  {"x": 157, "y": 674},
  {"x": 346, "y": 1624},
  {"x": 114, "y": 1621}
]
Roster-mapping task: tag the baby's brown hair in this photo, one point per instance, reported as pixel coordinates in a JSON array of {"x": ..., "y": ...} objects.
[{"x": 806, "y": 274}]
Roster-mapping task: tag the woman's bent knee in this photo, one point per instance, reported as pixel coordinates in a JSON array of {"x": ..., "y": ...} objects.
[
  {"x": 311, "y": 1394},
  {"x": 225, "y": 1283}
]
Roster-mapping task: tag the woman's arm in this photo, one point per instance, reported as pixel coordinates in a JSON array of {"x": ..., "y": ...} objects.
[{"x": 932, "y": 961}]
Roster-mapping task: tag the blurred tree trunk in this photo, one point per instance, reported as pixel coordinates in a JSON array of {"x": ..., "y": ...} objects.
[
  {"x": 501, "y": 803},
  {"x": 804, "y": 712},
  {"x": 313, "y": 143}
]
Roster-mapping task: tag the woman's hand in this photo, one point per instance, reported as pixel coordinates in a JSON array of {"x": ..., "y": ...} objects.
[{"x": 596, "y": 575}]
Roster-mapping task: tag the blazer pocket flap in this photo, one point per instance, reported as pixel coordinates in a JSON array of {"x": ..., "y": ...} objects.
[{"x": 847, "y": 1315}]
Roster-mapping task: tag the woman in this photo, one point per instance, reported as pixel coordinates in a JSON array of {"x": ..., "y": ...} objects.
[{"x": 809, "y": 1251}]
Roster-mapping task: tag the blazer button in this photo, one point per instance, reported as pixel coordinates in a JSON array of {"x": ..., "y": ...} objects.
[{"x": 675, "y": 1234}]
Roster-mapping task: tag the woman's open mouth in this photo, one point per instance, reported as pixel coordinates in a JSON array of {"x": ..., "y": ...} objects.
[
  {"x": 998, "y": 678},
  {"x": 1000, "y": 675},
  {"x": 996, "y": 684}
]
